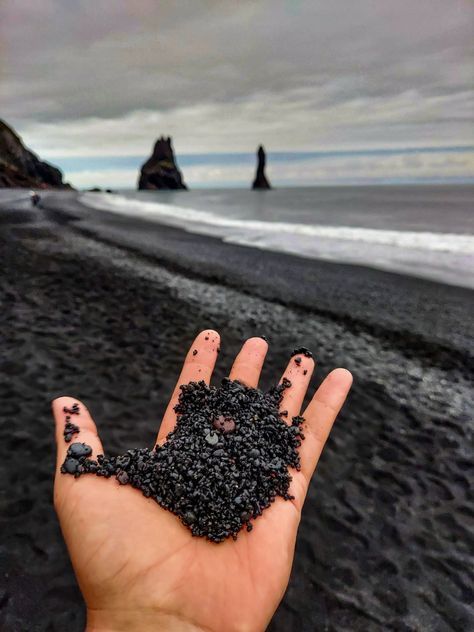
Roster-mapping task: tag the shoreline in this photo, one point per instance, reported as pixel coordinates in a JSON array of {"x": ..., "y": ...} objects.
[{"x": 398, "y": 306}]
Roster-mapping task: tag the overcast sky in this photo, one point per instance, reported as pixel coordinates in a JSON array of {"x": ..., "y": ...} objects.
[{"x": 105, "y": 78}]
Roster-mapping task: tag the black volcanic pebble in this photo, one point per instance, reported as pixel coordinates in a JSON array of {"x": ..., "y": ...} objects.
[
  {"x": 70, "y": 465},
  {"x": 69, "y": 430},
  {"x": 76, "y": 450},
  {"x": 302, "y": 351},
  {"x": 122, "y": 477},
  {"x": 214, "y": 479},
  {"x": 74, "y": 410},
  {"x": 224, "y": 424}
]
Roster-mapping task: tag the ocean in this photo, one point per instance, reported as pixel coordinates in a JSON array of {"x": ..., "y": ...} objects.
[{"x": 418, "y": 230}]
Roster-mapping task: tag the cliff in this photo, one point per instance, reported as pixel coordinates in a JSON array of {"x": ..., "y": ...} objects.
[
  {"x": 261, "y": 181},
  {"x": 20, "y": 167},
  {"x": 160, "y": 171}
]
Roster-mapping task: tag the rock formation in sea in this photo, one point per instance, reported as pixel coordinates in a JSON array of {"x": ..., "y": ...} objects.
[
  {"x": 261, "y": 181},
  {"x": 20, "y": 167},
  {"x": 160, "y": 171}
]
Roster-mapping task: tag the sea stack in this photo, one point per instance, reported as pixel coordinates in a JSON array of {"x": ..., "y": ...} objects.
[
  {"x": 261, "y": 181},
  {"x": 160, "y": 170},
  {"x": 20, "y": 167}
]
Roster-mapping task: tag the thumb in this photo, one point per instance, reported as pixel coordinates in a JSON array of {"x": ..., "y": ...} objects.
[{"x": 74, "y": 424}]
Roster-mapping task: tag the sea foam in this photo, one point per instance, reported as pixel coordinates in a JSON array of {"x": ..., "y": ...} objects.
[{"x": 448, "y": 257}]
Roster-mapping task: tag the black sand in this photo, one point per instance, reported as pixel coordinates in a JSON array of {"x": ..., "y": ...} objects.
[
  {"x": 224, "y": 463},
  {"x": 384, "y": 542}
]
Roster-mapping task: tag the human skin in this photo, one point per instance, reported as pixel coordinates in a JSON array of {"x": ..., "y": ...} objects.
[{"x": 138, "y": 566}]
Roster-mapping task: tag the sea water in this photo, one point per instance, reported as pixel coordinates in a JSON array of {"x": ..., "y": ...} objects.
[{"x": 419, "y": 230}]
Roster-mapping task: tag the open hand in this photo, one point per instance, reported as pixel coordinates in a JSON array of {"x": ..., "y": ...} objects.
[{"x": 138, "y": 566}]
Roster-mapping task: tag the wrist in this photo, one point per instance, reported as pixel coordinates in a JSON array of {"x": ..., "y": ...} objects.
[{"x": 138, "y": 621}]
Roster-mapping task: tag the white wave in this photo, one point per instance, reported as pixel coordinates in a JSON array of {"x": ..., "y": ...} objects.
[{"x": 256, "y": 231}]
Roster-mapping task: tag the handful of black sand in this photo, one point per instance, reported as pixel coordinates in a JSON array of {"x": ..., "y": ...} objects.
[{"x": 225, "y": 461}]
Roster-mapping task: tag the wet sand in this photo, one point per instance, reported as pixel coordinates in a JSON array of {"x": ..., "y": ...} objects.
[{"x": 104, "y": 308}]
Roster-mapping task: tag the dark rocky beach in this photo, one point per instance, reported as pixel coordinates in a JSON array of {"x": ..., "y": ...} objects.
[{"x": 103, "y": 307}]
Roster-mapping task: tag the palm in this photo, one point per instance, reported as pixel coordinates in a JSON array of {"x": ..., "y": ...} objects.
[{"x": 135, "y": 558}]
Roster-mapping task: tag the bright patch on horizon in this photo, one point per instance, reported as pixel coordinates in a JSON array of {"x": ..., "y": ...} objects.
[{"x": 296, "y": 170}]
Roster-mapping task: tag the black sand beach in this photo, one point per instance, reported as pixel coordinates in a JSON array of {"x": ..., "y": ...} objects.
[{"x": 103, "y": 308}]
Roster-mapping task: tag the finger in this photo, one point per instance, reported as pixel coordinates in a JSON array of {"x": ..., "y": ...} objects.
[
  {"x": 198, "y": 365},
  {"x": 87, "y": 432},
  {"x": 248, "y": 364},
  {"x": 319, "y": 418},
  {"x": 299, "y": 371}
]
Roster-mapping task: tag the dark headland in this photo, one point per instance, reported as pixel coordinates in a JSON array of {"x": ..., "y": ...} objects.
[
  {"x": 20, "y": 167},
  {"x": 102, "y": 306}
]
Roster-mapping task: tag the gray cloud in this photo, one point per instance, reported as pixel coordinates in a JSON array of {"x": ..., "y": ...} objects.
[{"x": 298, "y": 74}]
